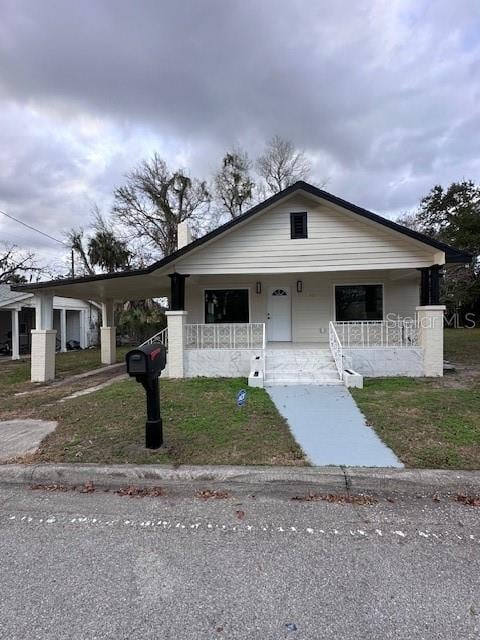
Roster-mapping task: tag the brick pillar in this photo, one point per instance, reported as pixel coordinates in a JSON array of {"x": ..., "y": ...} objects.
[
  {"x": 108, "y": 335},
  {"x": 43, "y": 341},
  {"x": 176, "y": 321},
  {"x": 430, "y": 338},
  {"x": 108, "y": 345}
]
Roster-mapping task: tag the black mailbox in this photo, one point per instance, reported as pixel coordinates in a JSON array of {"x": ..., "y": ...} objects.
[
  {"x": 145, "y": 364},
  {"x": 149, "y": 360}
]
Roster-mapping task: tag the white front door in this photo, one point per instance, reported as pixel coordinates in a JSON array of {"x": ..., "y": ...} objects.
[{"x": 279, "y": 317}]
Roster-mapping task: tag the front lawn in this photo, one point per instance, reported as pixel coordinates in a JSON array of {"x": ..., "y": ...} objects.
[
  {"x": 431, "y": 422},
  {"x": 202, "y": 425},
  {"x": 16, "y": 372}
]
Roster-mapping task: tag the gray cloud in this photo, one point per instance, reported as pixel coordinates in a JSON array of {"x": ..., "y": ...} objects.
[{"x": 384, "y": 97}]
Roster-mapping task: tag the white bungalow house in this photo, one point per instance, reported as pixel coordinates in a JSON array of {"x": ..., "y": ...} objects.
[
  {"x": 300, "y": 288},
  {"x": 74, "y": 320}
]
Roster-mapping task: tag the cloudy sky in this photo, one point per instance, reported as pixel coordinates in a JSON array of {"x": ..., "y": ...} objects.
[{"x": 383, "y": 95}]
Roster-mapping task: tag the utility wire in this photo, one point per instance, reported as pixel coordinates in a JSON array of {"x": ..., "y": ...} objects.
[
  {"x": 29, "y": 226},
  {"x": 34, "y": 229}
]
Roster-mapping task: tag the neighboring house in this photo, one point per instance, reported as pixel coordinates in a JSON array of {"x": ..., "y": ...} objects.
[
  {"x": 303, "y": 285},
  {"x": 73, "y": 320}
]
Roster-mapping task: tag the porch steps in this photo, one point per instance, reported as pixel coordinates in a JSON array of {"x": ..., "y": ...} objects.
[{"x": 300, "y": 366}]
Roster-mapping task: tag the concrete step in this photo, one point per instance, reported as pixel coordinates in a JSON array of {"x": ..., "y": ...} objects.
[
  {"x": 300, "y": 366},
  {"x": 302, "y": 380},
  {"x": 307, "y": 371}
]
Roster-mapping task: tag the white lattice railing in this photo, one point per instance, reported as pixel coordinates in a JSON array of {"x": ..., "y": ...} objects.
[
  {"x": 159, "y": 338},
  {"x": 372, "y": 333},
  {"x": 225, "y": 336},
  {"x": 336, "y": 348}
]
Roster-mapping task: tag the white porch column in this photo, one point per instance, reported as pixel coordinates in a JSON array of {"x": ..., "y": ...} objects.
[
  {"x": 108, "y": 334},
  {"x": 84, "y": 327},
  {"x": 63, "y": 330},
  {"x": 430, "y": 338},
  {"x": 43, "y": 341},
  {"x": 15, "y": 335},
  {"x": 176, "y": 321}
]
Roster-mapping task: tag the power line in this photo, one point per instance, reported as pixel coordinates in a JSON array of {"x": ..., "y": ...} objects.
[{"x": 34, "y": 229}]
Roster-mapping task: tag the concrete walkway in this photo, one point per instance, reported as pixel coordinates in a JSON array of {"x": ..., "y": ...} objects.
[
  {"x": 19, "y": 437},
  {"x": 330, "y": 428}
]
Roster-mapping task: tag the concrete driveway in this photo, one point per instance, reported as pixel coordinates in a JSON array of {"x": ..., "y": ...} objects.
[
  {"x": 19, "y": 437},
  {"x": 330, "y": 428}
]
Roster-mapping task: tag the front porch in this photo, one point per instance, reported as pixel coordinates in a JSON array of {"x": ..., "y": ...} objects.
[{"x": 313, "y": 325}]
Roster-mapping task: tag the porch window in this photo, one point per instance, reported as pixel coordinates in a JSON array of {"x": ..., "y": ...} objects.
[
  {"x": 357, "y": 302},
  {"x": 226, "y": 306}
]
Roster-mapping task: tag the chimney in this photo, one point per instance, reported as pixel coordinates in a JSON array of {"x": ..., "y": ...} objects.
[{"x": 184, "y": 234}]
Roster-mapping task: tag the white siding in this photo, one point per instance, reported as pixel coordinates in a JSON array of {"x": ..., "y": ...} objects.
[
  {"x": 337, "y": 241},
  {"x": 312, "y": 309}
]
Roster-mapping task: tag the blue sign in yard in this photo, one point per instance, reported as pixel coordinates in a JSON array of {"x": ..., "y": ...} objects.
[{"x": 241, "y": 397}]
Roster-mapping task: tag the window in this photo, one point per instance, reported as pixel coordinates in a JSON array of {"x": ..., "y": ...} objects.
[
  {"x": 226, "y": 305},
  {"x": 298, "y": 225},
  {"x": 358, "y": 302}
]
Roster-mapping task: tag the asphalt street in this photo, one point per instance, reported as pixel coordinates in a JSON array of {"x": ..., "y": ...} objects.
[{"x": 256, "y": 564}]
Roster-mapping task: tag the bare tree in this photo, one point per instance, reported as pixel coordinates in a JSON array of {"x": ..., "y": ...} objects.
[
  {"x": 16, "y": 265},
  {"x": 281, "y": 165},
  {"x": 155, "y": 200},
  {"x": 410, "y": 221},
  {"x": 233, "y": 184}
]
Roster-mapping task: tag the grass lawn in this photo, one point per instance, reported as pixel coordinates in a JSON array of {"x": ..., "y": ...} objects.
[
  {"x": 431, "y": 422},
  {"x": 202, "y": 425},
  {"x": 16, "y": 372}
]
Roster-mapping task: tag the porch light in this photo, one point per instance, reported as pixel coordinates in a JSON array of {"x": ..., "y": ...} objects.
[
  {"x": 299, "y": 286},
  {"x": 258, "y": 287}
]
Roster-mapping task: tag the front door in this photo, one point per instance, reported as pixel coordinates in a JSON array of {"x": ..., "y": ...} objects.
[{"x": 279, "y": 317}]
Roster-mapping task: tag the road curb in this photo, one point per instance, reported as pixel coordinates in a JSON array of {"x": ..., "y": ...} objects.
[{"x": 329, "y": 479}]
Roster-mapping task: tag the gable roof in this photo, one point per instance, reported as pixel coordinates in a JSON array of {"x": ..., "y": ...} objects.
[{"x": 452, "y": 255}]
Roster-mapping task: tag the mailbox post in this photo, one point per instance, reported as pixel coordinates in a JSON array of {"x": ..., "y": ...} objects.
[{"x": 145, "y": 364}]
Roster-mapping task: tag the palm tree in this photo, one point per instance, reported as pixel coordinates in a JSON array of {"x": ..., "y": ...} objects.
[{"x": 108, "y": 252}]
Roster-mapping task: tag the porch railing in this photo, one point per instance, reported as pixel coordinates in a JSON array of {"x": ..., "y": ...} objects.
[
  {"x": 159, "y": 338},
  {"x": 336, "y": 348},
  {"x": 225, "y": 336},
  {"x": 372, "y": 333}
]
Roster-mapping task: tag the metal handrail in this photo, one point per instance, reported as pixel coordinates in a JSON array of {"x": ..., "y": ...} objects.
[
  {"x": 159, "y": 338},
  {"x": 336, "y": 348}
]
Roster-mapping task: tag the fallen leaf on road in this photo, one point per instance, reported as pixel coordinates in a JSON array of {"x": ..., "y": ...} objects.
[
  {"x": 240, "y": 514},
  {"x": 140, "y": 492},
  {"x": 469, "y": 501},
  {"x": 50, "y": 487},
  {"x": 88, "y": 487},
  {"x": 208, "y": 494},
  {"x": 359, "y": 499}
]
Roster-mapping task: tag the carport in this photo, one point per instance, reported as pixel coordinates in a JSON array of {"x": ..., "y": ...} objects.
[{"x": 106, "y": 290}]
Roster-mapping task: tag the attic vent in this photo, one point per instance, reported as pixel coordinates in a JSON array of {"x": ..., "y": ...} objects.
[{"x": 298, "y": 225}]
